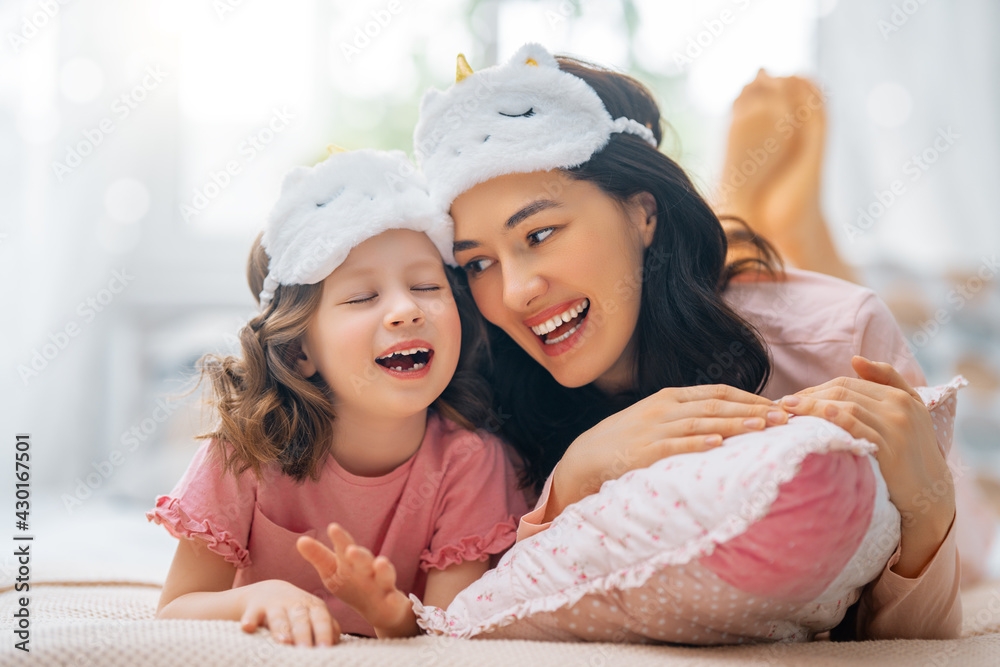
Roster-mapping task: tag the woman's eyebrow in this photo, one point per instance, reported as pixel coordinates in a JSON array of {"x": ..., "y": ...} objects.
[
  {"x": 459, "y": 246},
  {"x": 513, "y": 221},
  {"x": 530, "y": 210}
]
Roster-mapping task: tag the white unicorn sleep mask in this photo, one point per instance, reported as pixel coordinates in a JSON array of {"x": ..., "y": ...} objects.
[
  {"x": 326, "y": 210},
  {"x": 526, "y": 115}
]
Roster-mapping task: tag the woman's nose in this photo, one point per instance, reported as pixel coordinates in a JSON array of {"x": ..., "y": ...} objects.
[{"x": 521, "y": 285}]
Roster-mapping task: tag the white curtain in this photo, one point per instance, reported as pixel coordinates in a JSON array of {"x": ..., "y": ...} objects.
[{"x": 914, "y": 102}]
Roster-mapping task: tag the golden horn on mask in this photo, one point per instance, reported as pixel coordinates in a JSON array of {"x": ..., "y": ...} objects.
[{"x": 462, "y": 70}]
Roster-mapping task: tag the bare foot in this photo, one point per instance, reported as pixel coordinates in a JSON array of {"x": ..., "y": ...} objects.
[
  {"x": 772, "y": 172},
  {"x": 756, "y": 148}
]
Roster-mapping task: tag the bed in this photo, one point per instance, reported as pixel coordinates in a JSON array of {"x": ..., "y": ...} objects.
[{"x": 103, "y": 618}]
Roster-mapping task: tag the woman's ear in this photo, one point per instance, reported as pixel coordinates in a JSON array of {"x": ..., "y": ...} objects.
[
  {"x": 645, "y": 204},
  {"x": 303, "y": 362}
]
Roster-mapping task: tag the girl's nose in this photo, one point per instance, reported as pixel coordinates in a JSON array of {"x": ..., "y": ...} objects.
[{"x": 404, "y": 310}]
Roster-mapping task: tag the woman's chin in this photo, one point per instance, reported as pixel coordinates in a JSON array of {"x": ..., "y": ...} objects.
[{"x": 572, "y": 375}]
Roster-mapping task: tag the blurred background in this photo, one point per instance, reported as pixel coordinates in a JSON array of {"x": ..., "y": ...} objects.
[{"x": 142, "y": 144}]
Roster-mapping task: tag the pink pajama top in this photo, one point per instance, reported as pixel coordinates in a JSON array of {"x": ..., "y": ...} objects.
[
  {"x": 456, "y": 499},
  {"x": 813, "y": 324}
]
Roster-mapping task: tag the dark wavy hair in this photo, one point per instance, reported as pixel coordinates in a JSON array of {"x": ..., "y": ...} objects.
[
  {"x": 266, "y": 411},
  {"x": 686, "y": 334}
]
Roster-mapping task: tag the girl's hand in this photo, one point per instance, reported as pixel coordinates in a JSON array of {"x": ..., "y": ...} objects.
[
  {"x": 366, "y": 583},
  {"x": 291, "y": 614},
  {"x": 881, "y": 407},
  {"x": 675, "y": 420}
]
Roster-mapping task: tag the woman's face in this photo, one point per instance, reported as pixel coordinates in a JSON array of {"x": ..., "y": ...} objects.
[{"x": 557, "y": 264}]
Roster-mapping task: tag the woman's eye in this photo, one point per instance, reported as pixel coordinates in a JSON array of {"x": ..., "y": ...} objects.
[
  {"x": 477, "y": 266},
  {"x": 534, "y": 238}
]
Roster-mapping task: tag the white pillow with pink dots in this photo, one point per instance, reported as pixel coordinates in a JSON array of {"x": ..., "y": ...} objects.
[{"x": 770, "y": 537}]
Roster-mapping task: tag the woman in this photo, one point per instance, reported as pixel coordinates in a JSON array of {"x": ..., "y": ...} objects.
[{"x": 620, "y": 335}]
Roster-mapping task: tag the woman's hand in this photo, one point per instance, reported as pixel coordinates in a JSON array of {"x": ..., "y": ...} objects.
[
  {"x": 675, "y": 420},
  {"x": 291, "y": 614},
  {"x": 366, "y": 583},
  {"x": 881, "y": 407}
]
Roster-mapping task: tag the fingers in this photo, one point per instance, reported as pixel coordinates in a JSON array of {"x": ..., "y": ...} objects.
[
  {"x": 319, "y": 556},
  {"x": 704, "y": 427},
  {"x": 882, "y": 373},
  {"x": 360, "y": 558},
  {"x": 766, "y": 413},
  {"x": 385, "y": 573},
  {"x": 341, "y": 539},
  {"x": 279, "y": 625},
  {"x": 876, "y": 379},
  {"x": 301, "y": 621},
  {"x": 852, "y": 416},
  {"x": 303, "y": 624},
  {"x": 725, "y": 418},
  {"x": 879, "y": 382},
  {"x": 721, "y": 392},
  {"x": 326, "y": 630},
  {"x": 844, "y": 388},
  {"x": 354, "y": 559},
  {"x": 252, "y": 619},
  {"x": 686, "y": 445},
  {"x": 709, "y": 413},
  {"x": 347, "y": 548}
]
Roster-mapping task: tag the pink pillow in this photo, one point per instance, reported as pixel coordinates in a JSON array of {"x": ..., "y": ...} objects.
[{"x": 770, "y": 537}]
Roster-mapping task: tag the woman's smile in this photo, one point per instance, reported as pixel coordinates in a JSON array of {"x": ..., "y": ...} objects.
[
  {"x": 551, "y": 261},
  {"x": 561, "y": 327}
]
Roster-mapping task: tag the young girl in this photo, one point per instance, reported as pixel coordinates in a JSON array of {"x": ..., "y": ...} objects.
[{"x": 342, "y": 421}]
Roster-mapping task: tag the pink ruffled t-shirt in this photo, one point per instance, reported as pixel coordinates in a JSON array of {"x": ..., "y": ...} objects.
[{"x": 456, "y": 499}]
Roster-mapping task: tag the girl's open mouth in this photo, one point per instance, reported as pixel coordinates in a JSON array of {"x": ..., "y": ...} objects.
[{"x": 406, "y": 361}]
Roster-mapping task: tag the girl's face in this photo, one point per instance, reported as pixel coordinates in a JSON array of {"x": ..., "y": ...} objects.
[
  {"x": 557, "y": 264},
  {"x": 386, "y": 335}
]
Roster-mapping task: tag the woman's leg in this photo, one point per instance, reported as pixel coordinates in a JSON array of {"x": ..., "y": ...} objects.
[{"x": 771, "y": 179}]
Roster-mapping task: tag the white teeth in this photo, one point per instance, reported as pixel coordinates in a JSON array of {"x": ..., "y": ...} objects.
[
  {"x": 413, "y": 350},
  {"x": 553, "y": 341},
  {"x": 558, "y": 320},
  {"x": 415, "y": 367}
]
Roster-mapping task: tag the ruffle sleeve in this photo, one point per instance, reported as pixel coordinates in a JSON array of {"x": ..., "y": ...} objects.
[
  {"x": 169, "y": 514},
  {"x": 212, "y": 505},
  {"x": 472, "y": 547},
  {"x": 478, "y": 505}
]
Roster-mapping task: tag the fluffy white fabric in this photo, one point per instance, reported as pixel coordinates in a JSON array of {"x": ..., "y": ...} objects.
[
  {"x": 514, "y": 118},
  {"x": 326, "y": 210}
]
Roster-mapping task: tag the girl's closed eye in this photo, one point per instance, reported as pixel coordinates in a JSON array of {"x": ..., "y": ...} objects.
[
  {"x": 362, "y": 298},
  {"x": 426, "y": 288}
]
